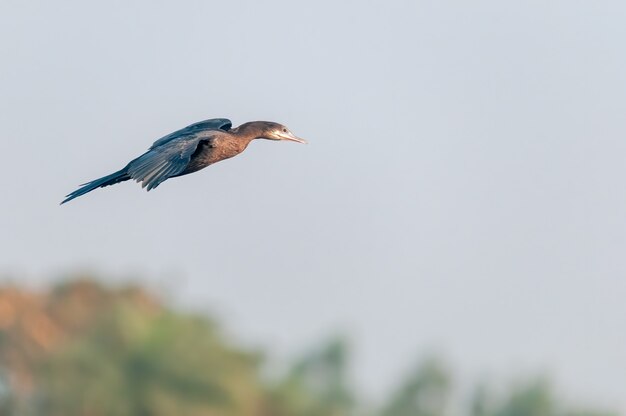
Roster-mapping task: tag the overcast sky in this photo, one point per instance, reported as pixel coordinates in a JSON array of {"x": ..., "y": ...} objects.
[{"x": 463, "y": 189}]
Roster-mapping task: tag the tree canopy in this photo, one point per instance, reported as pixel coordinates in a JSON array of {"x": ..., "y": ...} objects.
[{"x": 85, "y": 349}]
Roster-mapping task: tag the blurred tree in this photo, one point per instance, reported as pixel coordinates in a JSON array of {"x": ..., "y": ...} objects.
[
  {"x": 83, "y": 349},
  {"x": 426, "y": 392},
  {"x": 118, "y": 352},
  {"x": 317, "y": 385},
  {"x": 481, "y": 401},
  {"x": 534, "y": 398}
]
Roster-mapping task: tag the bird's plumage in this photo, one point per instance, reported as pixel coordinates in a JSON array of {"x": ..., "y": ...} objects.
[
  {"x": 211, "y": 124},
  {"x": 188, "y": 150},
  {"x": 166, "y": 160}
]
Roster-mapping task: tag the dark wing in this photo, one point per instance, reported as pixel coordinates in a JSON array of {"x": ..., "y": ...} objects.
[
  {"x": 167, "y": 160},
  {"x": 211, "y": 124}
]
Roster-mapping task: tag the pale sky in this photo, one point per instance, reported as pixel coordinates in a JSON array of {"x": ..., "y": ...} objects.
[{"x": 463, "y": 189}]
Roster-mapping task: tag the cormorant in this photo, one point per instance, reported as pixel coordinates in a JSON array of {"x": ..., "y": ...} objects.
[{"x": 188, "y": 150}]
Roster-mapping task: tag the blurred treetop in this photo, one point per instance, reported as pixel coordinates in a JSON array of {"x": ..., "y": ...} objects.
[{"x": 85, "y": 349}]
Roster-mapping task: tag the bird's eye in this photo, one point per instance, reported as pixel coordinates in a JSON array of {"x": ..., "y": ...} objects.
[{"x": 284, "y": 130}]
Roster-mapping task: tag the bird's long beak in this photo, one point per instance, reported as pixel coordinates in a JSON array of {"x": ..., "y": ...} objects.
[{"x": 290, "y": 136}]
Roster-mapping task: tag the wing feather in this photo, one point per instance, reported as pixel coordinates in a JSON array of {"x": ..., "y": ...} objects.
[
  {"x": 167, "y": 160},
  {"x": 210, "y": 124}
]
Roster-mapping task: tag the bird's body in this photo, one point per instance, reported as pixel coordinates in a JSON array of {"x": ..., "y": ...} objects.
[
  {"x": 189, "y": 150},
  {"x": 221, "y": 145}
]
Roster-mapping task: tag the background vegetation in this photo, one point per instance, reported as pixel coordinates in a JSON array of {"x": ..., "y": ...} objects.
[{"x": 85, "y": 349}]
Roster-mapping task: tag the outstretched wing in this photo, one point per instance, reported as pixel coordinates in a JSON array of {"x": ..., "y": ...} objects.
[
  {"x": 211, "y": 124},
  {"x": 166, "y": 160}
]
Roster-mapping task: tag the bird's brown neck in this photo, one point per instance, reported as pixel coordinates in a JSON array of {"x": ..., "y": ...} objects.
[{"x": 248, "y": 131}]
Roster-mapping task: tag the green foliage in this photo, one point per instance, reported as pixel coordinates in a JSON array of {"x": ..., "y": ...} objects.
[
  {"x": 130, "y": 364},
  {"x": 316, "y": 385},
  {"x": 133, "y": 357},
  {"x": 426, "y": 392},
  {"x": 532, "y": 399},
  {"x": 86, "y": 350}
]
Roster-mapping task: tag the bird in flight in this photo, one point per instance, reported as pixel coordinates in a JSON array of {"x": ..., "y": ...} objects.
[{"x": 188, "y": 150}]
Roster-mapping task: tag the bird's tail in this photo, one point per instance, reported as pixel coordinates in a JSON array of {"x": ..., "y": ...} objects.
[{"x": 112, "y": 179}]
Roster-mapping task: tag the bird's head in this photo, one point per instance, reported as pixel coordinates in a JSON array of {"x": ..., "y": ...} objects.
[{"x": 274, "y": 131}]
